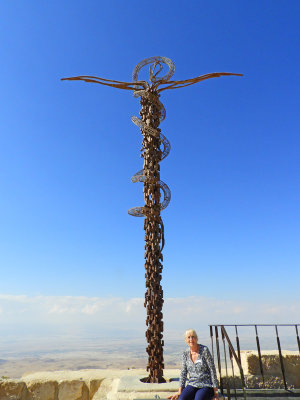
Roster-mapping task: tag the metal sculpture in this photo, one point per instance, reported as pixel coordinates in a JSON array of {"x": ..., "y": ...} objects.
[{"x": 152, "y": 113}]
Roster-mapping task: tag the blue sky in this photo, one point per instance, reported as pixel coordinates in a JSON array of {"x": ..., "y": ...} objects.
[{"x": 68, "y": 150}]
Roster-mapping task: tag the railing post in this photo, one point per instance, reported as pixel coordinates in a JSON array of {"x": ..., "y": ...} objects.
[
  {"x": 236, "y": 360},
  {"x": 232, "y": 368},
  {"x": 281, "y": 359},
  {"x": 298, "y": 341},
  {"x": 212, "y": 341},
  {"x": 225, "y": 357},
  {"x": 259, "y": 356},
  {"x": 219, "y": 359},
  {"x": 237, "y": 343}
]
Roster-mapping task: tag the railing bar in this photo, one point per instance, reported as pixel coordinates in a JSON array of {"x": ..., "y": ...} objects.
[
  {"x": 223, "y": 339},
  {"x": 257, "y": 325},
  {"x": 219, "y": 359},
  {"x": 225, "y": 357},
  {"x": 237, "y": 360},
  {"x": 259, "y": 356},
  {"x": 212, "y": 340},
  {"x": 281, "y": 359},
  {"x": 298, "y": 341},
  {"x": 233, "y": 376},
  {"x": 238, "y": 343}
]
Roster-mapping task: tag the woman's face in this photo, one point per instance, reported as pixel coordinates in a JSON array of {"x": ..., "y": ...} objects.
[{"x": 191, "y": 340}]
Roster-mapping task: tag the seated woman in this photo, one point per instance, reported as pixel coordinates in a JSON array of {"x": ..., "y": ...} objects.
[{"x": 198, "y": 363}]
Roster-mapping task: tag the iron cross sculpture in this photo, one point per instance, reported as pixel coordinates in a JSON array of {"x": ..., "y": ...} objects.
[{"x": 152, "y": 113}]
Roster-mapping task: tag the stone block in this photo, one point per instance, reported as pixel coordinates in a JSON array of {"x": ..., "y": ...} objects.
[
  {"x": 12, "y": 390},
  {"x": 73, "y": 390},
  {"x": 94, "y": 385},
  {"x": 42, "y": 390},
  {"x": 272, "y": 367}
]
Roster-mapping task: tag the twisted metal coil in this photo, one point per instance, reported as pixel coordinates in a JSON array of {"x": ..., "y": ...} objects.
[{"x": 153, "y": 98}]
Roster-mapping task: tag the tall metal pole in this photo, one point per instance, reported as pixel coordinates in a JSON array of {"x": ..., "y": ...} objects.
[{"x": 152, "y": 113}]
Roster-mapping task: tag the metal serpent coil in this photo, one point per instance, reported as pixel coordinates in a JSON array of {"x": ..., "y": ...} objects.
[{"x": 153, "y": 98}]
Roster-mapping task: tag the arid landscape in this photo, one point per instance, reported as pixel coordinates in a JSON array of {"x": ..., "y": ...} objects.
[
  {"x": 27, "y": 353},
  {"x": 26, "y": 356}
]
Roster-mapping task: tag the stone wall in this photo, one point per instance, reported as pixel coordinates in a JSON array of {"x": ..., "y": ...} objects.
[
  {"x": 48, "y": 390},
  {"x": 107, "y": 384},
  {"x": 91, "y": 384},
  {"x": 271, "y": 368}
]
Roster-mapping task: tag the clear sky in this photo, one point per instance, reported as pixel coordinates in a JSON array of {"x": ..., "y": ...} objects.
[{"x": 69, "y": 149}]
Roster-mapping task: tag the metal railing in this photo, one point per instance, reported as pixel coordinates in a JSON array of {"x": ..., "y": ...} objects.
[{"x": 228, "y": 382}]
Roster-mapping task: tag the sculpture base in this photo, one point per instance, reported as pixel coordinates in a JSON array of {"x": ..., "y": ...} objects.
[{"x": 150, "y": 379}]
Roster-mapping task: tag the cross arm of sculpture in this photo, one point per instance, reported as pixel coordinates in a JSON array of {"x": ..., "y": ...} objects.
[{"x": 143, "y": 85}]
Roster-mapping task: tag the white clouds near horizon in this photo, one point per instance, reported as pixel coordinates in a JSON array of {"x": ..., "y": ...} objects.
[{"x": 129, "y": 314}]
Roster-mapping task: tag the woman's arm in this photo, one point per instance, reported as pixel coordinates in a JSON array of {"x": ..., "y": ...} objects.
[
  {"x": 210, "y": 362},
  {"x": 184, "y": 371}
]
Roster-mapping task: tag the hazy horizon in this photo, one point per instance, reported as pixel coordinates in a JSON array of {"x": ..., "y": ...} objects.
[
  {"x": 65, "y": 332},
  {"x": 73, "y": 352}
]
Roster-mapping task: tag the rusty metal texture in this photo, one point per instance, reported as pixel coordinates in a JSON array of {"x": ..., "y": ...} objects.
[
  {"x": 259, "y": 355},
  {"x": 224, "y": 332},
  {"x": 155, "y": 147},
  {"x": 232, "y": 372},
  {"x": 281, "y": 358},
  {"x": 297, "y": 336},
  {"x": 154, "y": 232},
  {"x": 237, "y": 342}
]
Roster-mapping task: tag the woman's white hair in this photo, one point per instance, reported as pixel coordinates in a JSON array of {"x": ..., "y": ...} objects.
[{"x": 190, "y": 332}]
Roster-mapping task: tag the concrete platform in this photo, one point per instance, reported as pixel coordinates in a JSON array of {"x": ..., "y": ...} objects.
[{"x": 131, "y": 387}]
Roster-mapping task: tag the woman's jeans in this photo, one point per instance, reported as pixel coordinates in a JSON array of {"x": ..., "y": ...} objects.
[{"x": 194, "y": 393}]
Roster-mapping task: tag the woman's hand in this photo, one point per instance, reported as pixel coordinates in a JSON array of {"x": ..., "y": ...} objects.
[{"x": 175, "y": 396}]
